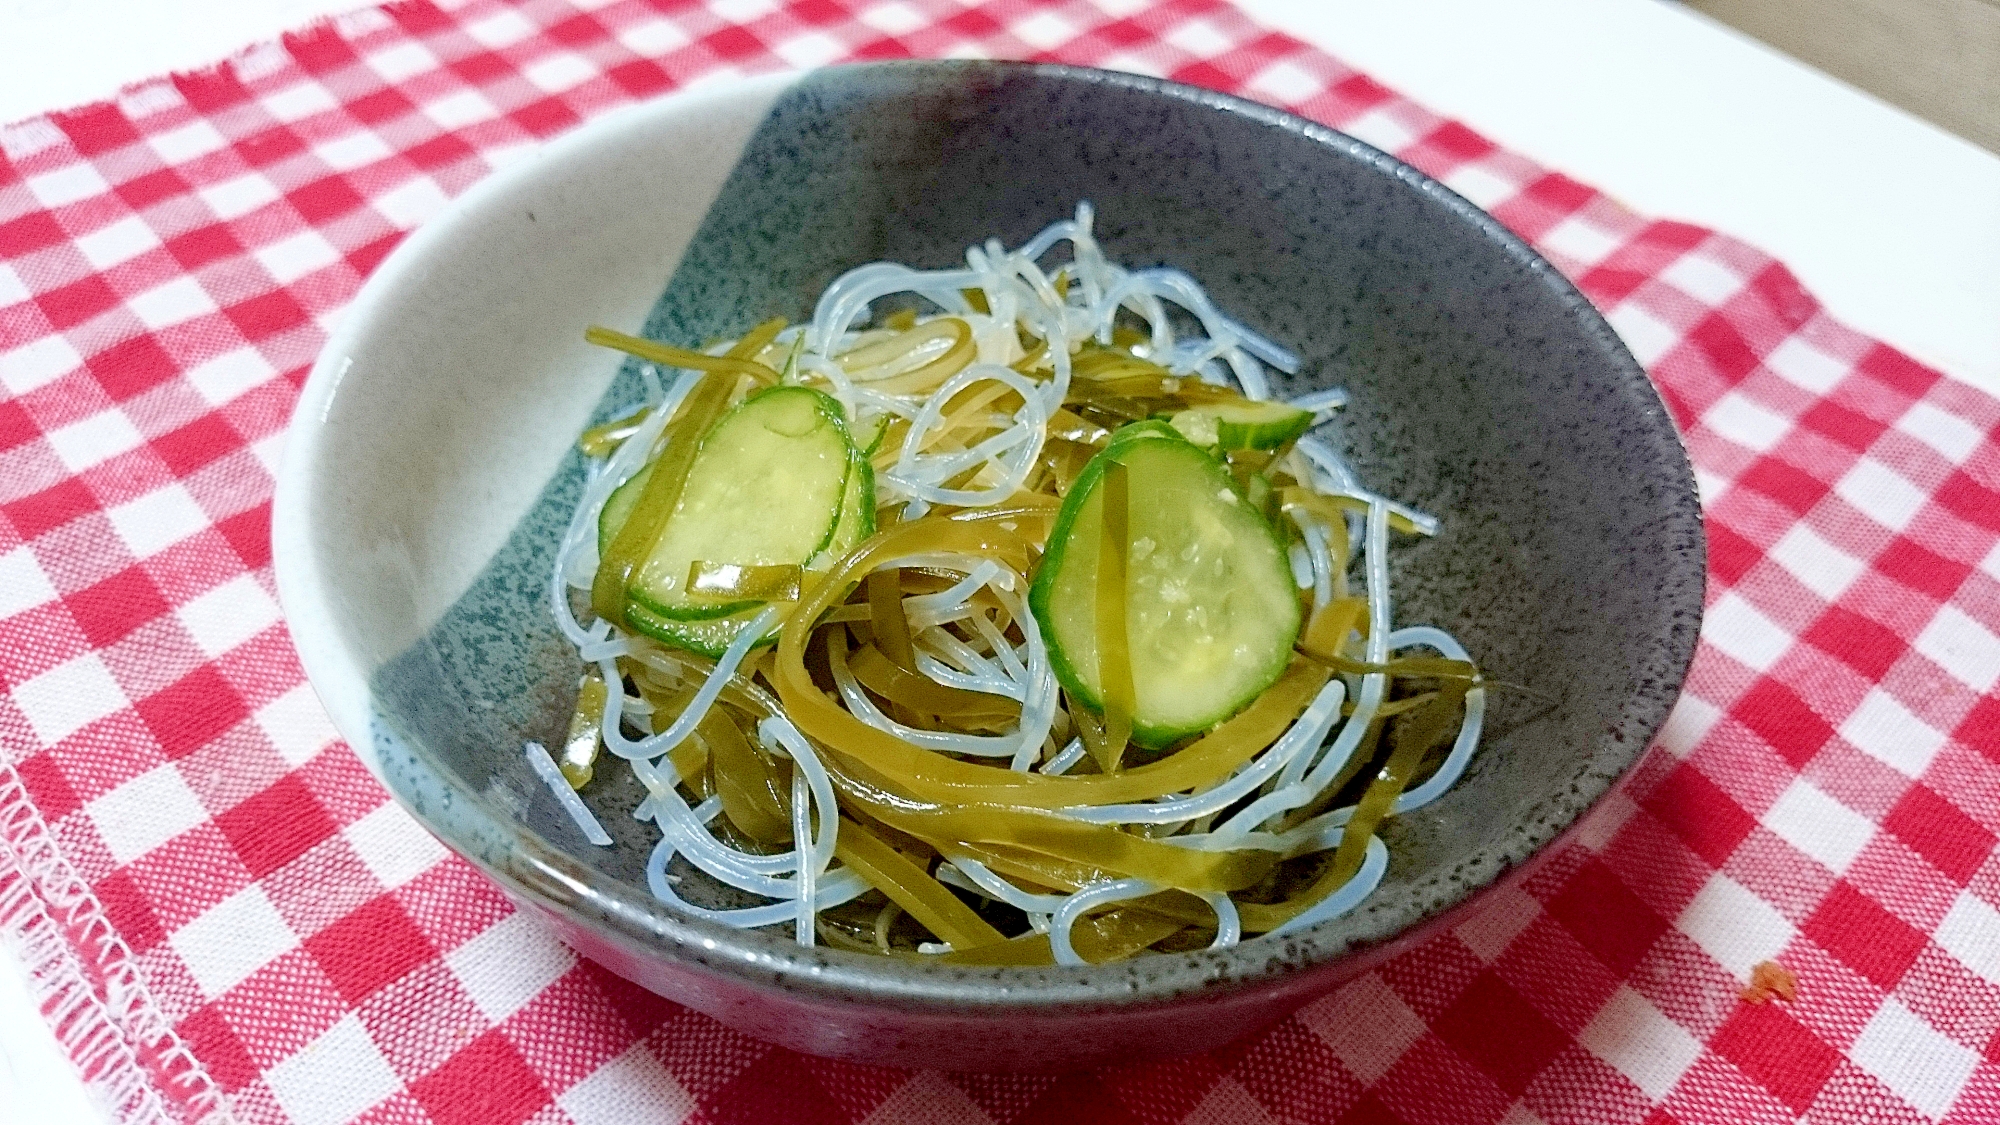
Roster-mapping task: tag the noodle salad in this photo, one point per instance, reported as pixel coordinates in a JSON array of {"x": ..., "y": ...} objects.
[{"x": 999, "y": 615}]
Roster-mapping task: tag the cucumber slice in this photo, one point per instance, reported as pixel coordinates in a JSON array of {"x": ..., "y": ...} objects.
[
  {"x": 1150, "y": 428},
  {"x": 618, "y": 506},
  {"x": 708, "y": 637},
  {"x": 1248, "y": 424},
  {"x": 857, "y": 512},
  {"x": 1212, "y": 611},
  {"x": 856, "y": 522},
  {"x": 766, "y": 487}
]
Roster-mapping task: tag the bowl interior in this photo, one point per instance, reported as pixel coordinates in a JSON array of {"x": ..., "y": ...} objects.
[{"x": 434, "y": 470}]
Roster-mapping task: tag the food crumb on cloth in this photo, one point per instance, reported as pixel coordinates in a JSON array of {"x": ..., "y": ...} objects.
[{"x": 1770, "y": 980}]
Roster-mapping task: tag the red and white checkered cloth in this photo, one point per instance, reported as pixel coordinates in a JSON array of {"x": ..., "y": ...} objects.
[{"x": 227, "y": 919}]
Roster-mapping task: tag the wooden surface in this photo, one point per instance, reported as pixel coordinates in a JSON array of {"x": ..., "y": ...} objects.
[{"x": 1939, "y": 59}]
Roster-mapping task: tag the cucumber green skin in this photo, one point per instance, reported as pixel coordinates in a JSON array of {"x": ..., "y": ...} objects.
[
  {"x": 693, "y": 611},
  {"x": 828, "y": 409},
  {"x": 1134, "y": 431},
  {"x": 857, "y": 506},
  {"x": 864, "y": 481},
  {"x": 1284, "y": 425},
  {"x": 709, "y": 637},
  {"x": 1149, "y": 734},
  {"x": 1263, "y": 435}
]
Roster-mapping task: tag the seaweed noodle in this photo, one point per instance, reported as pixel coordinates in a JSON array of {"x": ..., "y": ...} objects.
[{"x": 900, "y": 774}]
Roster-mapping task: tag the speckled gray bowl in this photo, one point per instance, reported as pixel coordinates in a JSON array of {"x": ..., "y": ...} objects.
[{"x": 430, "y": 469}]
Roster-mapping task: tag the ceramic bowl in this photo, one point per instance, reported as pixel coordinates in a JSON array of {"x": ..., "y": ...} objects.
[{"x": 431, "y": 468}]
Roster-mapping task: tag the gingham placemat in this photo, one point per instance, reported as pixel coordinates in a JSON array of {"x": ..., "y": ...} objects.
[{"x": 227, "y": 919}]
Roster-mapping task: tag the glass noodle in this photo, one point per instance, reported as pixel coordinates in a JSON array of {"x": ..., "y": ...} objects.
[{"x": 883, "y": 756}]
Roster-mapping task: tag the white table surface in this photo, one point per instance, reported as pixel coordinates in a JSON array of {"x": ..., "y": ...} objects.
[{"x": 1892, "y": 222}]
